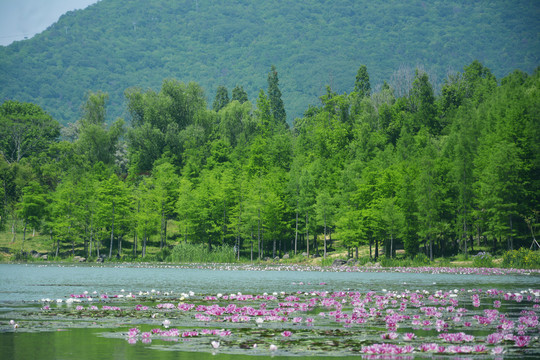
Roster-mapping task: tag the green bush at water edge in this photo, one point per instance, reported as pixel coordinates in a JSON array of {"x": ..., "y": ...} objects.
[
  {"x": 190, "y": 253},
  {"x": 522, "y": 259},
  {"x": 483, "y": 259}
]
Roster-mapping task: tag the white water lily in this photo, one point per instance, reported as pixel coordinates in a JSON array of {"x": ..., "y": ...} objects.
[{"x": 215, "y": 344}]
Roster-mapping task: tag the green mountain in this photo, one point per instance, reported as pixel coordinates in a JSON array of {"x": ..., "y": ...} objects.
[{"x": 114, "y": 44}]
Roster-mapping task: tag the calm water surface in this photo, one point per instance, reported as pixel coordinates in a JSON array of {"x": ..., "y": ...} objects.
[
  {"x": 23, "y": 286},
  {"x": 21, "y": 282}
]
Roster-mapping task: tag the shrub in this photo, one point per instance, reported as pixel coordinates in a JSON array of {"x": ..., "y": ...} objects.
[
  {"x": 363, "y": 260},
  {"x": 421, "y": 259},
  {"x": 483, "y": 259},
  {"x": 198, "y": 253},
  {"x": 327, "y": 262},
  {"x": 522, "y": 259},
  {"x": 21, "y": 256},
  {"x": 164, "y": 255},
  {"x": 445, "y": 262}
]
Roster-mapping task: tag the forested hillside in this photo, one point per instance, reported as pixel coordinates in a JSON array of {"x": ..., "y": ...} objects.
[
  {"x": 432, "y": 174},
  {"x": 114, "y": 45}
]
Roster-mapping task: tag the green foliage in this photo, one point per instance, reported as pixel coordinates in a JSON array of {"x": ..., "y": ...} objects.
[
  {"x": 139, "y": 43},
  {"x": 26, "y": 130},
  {"x": 522, "y": 258},
  {"x": 421, "y": 259},
  {"x": 239, "y": 94},
  {"x": 396, "y": 170},
  {"x": 483, "y": 259},
  {"x": 361, "y": 85},
  {"x": 274, "y": 95},
  {"x": 163, "y": 255},
  {"x": 222, "y": 98},
  {"x": 198, "y": 253}
]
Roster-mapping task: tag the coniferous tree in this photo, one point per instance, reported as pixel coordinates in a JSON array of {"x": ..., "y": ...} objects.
[
  {"x": 274, "y": 95},
  {"x": 362, "y": 85},
  {"x": 239, "y": 94},
  {"x": 222, "y": 98}
]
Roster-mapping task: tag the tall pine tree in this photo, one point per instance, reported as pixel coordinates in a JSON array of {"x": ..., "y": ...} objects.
[{"x": 274, "y": 95}]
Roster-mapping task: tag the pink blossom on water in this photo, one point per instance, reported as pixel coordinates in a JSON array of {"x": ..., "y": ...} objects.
[
  {"x": 409, "y": 336},
  {"x": 391, "y": 336},
  {"x": 522, "y": 341}
]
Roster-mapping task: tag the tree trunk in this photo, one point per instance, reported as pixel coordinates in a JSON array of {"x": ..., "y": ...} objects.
[
  {"x": 296, "y": 230},
  {"x": 91, "y": 234},
  {"x": 72, "y": 240},
  {"x": 259, "y": 232},
  {"x": 13, "y": 231},
  {"x": 165, "y": 232},
  {"x": 376, "y": 249},
  {"x": 51, "y": 237},
  {"x": 356, "y": 252},
  {"x": 135, "y": 243},
  {"x": 238, "y": 234},
  {"x": 325, "y": 236},
  {"x": 307, "y": 234},
  {"x": 162, "y": 225},
  {"x": 98, "y": 242},
  {"x": 430, "y": 248},
  {"x": 24, "y": 235},
  {"x": 391, "y": 245},
  {"x": 144, "y": 240},
  {"x": 511, "y": 238},
  {"x": 224, "y": 229},
  {"x": 119, "y": 246},
  {"x": 86, "y": 240},
  {"x": 112, "y": 231}
]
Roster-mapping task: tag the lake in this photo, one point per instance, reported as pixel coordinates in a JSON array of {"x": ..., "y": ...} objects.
[{"x": 67, "y": 334}]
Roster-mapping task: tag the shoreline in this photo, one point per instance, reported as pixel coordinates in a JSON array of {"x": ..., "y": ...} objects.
[{"x": 456, "y": 270}]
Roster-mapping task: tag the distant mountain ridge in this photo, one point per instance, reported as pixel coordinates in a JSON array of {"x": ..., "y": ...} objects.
[{"x": 113, "y": 45}]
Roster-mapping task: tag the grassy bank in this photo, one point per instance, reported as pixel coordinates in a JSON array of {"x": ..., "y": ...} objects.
[{"x": 40, "y": 248}]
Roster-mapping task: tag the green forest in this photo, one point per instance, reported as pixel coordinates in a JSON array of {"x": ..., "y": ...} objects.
[
  {"x": 115, "y": 44},
  {"x": 429, "y": 174}
]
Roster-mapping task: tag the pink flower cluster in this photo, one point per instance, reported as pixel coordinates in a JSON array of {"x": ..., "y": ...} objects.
[
  {"x": 387, "y": 349},
  {"x": 456, "y": 337}
]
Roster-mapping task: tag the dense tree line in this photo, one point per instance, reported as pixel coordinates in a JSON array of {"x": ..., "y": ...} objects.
[{"x": 424, "y": 172}]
